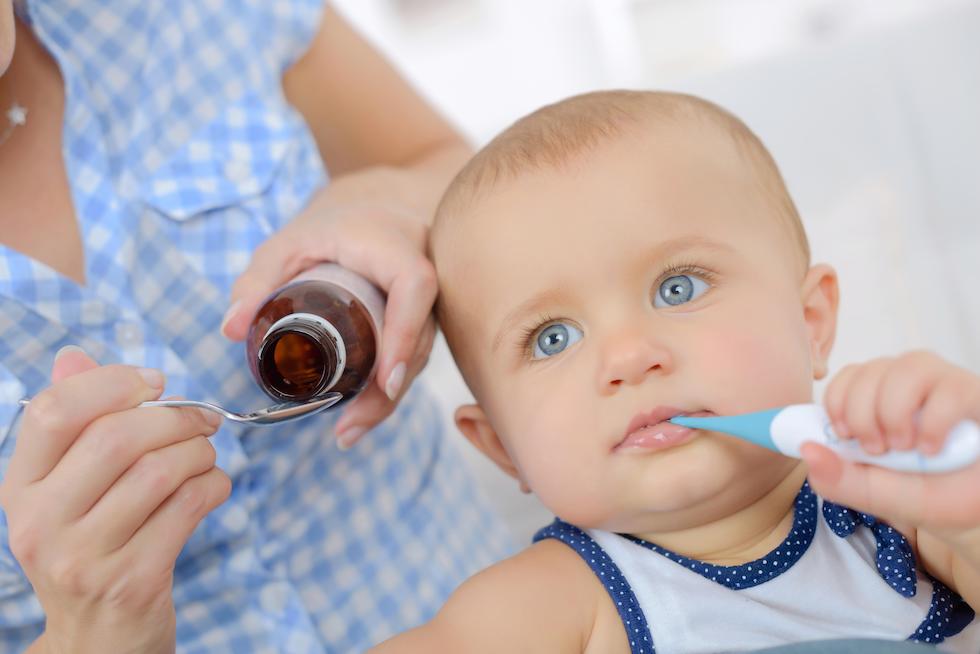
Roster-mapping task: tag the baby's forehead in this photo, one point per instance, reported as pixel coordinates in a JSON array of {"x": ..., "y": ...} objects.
[
  {"x": 645, "y": 128},
  {"x": 668, "y": 159},
  {"x": 533, "y": 236}
]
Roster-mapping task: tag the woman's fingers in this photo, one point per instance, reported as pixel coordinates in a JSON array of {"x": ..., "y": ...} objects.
[
  {"x": 407, "y": 315},
  {"x": 162, "y": 536},
  {"x": 386, "y": 249},
  {"x": 367, "y": 410},
  {"x": 126, "y": 506},
  {"x": 112, "y": 444},
  {"x": 372, "y": 406},
  {"x": 137, "y": 578},
  {"x": 56, "y": 416},
  {"x": 71, "y": 360},
  {"x": 943, "y": 501}
]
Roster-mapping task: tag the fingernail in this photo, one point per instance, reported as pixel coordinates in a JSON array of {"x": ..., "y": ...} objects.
[
  {"x": 66, "y": 349},
  {"x": 346, "y": 439},
  {"x": 395, "y": 381},
  {"x": 229, "y": 314},
  {"x": 840, "y": 429},
  {"x": 152, "y": 377}
]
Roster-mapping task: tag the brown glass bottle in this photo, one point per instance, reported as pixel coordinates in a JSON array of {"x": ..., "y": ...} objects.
[{"x": 320, "y": 332}]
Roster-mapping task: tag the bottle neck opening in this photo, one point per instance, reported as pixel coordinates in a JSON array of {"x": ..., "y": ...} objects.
[{"x": 299, "y": 359}]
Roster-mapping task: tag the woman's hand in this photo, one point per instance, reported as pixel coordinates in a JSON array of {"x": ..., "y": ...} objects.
[
  {"x": 383, "y": 242},
  {"x": 100, "y": 498}
]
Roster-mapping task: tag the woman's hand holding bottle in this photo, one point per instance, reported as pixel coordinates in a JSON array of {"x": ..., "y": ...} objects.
[{"x": 383, "y": 244}]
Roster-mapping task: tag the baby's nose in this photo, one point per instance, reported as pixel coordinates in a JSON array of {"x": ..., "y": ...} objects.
[{"x": 630, "y": 360}]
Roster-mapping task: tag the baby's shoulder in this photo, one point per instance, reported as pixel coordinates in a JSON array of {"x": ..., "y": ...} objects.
[{"x": 551, "y": 590}]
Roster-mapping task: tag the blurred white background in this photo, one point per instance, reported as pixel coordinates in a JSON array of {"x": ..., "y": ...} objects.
[{"x": 870, "y": 107}]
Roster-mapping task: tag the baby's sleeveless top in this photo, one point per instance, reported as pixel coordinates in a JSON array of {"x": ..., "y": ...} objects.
[{"x": 841, "y": 575}]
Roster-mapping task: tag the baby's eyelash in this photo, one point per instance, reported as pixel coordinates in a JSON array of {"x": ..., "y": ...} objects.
[
  {"x": 525, "y": 346},
  {"x": 687, "y": 269}
]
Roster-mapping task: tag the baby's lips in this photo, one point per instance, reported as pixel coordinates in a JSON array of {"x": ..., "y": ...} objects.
[{"x": 656, "y": 437}]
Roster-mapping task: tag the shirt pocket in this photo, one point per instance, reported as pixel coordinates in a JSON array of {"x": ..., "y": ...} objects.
[{"x": 253, "y": 158}]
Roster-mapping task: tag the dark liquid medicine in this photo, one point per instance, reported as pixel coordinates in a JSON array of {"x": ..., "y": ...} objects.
[{"x": 320, "y": 332}]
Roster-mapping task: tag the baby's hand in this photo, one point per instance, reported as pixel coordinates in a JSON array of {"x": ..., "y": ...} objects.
[
  {"x": 902, "y": 403},
  {"x": 911, "y": 401}
]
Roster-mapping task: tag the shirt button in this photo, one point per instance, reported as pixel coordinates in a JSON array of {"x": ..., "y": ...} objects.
[
  {"x": 128, "y": 333},
  {"x": 237, "y": 171}
]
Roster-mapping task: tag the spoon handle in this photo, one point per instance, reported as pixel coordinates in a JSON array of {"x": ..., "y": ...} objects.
[
  {"x": 207, "y": 406},
  {"x": 174, "y": 403}
]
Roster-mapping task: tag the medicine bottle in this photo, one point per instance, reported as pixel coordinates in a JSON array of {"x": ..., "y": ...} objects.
[{"x": 319, "y": 332}]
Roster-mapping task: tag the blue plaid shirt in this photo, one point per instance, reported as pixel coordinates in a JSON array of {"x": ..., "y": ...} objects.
[{"x": 183, "y": 156}]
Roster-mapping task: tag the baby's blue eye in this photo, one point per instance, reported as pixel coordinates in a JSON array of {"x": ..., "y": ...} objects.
[
  {"x": 554, "y": 338},
  {"x": 678, "y": 290}
]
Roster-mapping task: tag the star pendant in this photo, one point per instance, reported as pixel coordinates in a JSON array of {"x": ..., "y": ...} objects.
[{"x": 17, "y": 115}]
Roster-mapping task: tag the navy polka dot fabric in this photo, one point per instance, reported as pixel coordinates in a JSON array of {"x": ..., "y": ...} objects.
[
  {"x": 634, "y": 621},
  {"x": 761, "y": 570},
  {"x": 895, "y": 560},
  {"x": 948, "y": 613}
]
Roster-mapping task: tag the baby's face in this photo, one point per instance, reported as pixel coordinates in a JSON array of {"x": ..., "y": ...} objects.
[{"x": 649, "y": 279}]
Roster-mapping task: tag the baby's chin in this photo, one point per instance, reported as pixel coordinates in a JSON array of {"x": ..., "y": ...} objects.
[{"x": 718, "y": 479}]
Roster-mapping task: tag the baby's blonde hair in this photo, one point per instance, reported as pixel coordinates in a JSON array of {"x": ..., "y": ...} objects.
[{"x": 557, "y": 134}]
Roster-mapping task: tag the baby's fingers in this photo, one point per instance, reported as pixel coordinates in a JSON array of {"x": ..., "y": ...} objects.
[
  {"x": 859, "y": 415},
  {"x": 956, "y": 397},
  {"x": 836, "y": 394},
  {"x": 904, "y": 389}
]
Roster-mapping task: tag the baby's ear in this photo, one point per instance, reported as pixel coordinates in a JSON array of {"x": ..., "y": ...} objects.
[
  {"x": 473, "y": 422},
  {"x": 820, "y": 299}
]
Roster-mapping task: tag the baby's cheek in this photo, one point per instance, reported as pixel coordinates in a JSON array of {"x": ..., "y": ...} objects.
[
  {"x": 555, "y": 444},
  {"x": 752, "y": 369}
]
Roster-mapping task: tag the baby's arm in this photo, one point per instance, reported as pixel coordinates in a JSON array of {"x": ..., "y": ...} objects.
[
  {"x": 541, "y": 600},
  {"x": 903, "y": 403}
]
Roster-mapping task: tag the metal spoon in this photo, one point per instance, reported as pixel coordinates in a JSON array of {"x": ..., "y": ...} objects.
[{"x": 268, "y": 416}]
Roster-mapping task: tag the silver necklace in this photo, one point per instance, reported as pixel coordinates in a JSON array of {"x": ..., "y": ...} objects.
[{"x": 16, "y": 116}]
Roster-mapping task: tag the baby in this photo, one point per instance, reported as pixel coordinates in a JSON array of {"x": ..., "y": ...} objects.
[{"x": 621, "y": 258}]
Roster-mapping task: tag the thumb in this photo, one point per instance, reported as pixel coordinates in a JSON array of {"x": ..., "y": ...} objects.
[
  {"x": 71, "y": 360},
  {"x": 896, "y": 497},
  {"x": 824, "y": 468}
]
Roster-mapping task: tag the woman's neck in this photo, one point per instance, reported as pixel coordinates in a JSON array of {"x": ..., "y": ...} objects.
[
  {"x": 744, "y": 535},
  {"x": 32, "y": 74},
  {"x": 35, "y": 195}
]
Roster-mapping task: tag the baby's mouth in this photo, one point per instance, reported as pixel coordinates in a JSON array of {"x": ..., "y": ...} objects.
[{"x": 652, "y": 431}]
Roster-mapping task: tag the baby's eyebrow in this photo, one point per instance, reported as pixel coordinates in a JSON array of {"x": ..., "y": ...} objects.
[
  {"x": 556, "y": 296},
  {"x": 675, "y": 246}
]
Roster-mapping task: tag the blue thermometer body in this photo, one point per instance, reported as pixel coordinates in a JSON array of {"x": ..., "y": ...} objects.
[{"x": 784, "y": 430}]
